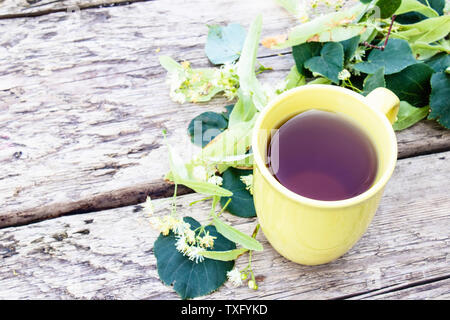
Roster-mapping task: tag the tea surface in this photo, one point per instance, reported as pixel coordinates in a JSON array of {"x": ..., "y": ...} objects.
[{"x": 323, "y": 156}]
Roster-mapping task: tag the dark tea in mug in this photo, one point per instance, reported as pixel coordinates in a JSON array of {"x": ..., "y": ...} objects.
[{"x": 322, "y": 155}]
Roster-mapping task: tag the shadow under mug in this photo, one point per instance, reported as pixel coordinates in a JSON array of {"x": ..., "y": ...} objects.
[{"x": 309, "y": 231}]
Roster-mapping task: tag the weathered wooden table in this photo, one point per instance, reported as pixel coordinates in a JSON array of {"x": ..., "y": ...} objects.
[{"x": 83, "y": 102}]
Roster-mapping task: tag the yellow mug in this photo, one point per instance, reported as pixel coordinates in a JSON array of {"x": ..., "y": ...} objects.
[{"x": 309, "y": 231}]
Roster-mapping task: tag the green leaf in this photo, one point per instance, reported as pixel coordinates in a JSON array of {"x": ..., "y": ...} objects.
[
  {"x": 224, "y": 44},
  {"x": 329, "y": 63},
  {"x": 423, "y": 51},
  {"x": 373, "y": 81},
  {"x": 335, "y": 26},
  {"x": 228, "y": 255},
  {"x": 205, "y": 188},
  {"x": 241, "y": 204},
  {"x": 350, "y": 46},
  {"x": 243, "y": 111},
  {"x": 294, "y": 79},
  {"x": 206, "y": 126},
  {"x": 440, "y": 98},
  {"x": 409, "y": 115},
  {"x": 170, "y": 65},
  {"x": 412, "y": 11},
  {"x": 228, "y": 111},
  {"x": 236, "y": 236},
  {"x": 320, "y": 80},
  {"x": 388, "y": 7},
  {"x": 304, "y": 52},
  {"x": 417, "y": 6},
  {"x": 252, "y": 91},
  {"x": 428, "y": 30},
  {"x": 233, "y": 141},
  {"x": 180, "y": 173},
  {"x": 395, "y": 57},
  {"x": 190, "y": 279},
  {"x": 439, "y": 62},
  {"x": 412, "y": 84}
]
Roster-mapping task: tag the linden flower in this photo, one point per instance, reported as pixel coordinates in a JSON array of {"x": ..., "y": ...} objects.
[
  {"x": 344, "y": 74},
  {"x": 161, "y": 225},
  {"x": 215, "y": 180},
  {"x": 248, "y": 181},
  {"x": 252, "y": 285},
  {"x": 181, "y": 244},
  {"x": 234, "y": 276},
  {"x": 164, "y": 224},
  {"x": 207, "y": 241},
  {"x": 190, "y": 236},
  {"x": 148, "y": 206},
  {"x": 360, "y": 52},
  {"x": 181, "y": 227},
  {"x": 194, "y": 254}
]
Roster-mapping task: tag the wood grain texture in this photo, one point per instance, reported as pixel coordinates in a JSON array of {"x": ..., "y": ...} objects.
[
  {"x": 83, "y": 102},
  {"x": 108, "y": 254},
  {"x": 31, "y": 8},
  {"x": 435, "y": 290}
]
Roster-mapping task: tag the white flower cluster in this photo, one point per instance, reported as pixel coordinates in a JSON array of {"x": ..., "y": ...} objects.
[
  {"x": 248, "y": 181},
  {"x": 201, "y": 173},
  {"x": 188, "y": 243},
  {"x": 236, "y": 278},
  {"x": 195, "y": 84},
  {"x": 344, "y": 74},
  {"x": 226, "y": 79}
]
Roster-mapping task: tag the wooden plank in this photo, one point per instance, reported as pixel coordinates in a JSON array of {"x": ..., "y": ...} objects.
[
  {"x": 108, "y": 254},
  {"x": 31, "y": 8},
  {"x": 82, "y": 106}
]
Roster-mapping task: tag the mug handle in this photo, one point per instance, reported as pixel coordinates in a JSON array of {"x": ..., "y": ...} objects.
[{"x": 385, "y": 101}]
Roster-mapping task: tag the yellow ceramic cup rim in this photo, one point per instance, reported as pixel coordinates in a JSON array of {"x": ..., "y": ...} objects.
[{"x": 259, "y": 156}]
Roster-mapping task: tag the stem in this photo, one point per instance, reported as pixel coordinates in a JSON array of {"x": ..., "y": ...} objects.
[
  {"x": 385, "y": 41},
  {"x": 174, "y": 198},
  {"x": 197, "y": 201},
  {"x": 224, "y": 207}
]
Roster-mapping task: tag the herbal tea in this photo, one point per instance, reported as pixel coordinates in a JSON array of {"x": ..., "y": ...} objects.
[{"x": 323, "y": 156}]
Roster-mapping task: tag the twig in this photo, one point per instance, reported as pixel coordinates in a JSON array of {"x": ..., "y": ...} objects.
[{"x": 385, "y": 41}]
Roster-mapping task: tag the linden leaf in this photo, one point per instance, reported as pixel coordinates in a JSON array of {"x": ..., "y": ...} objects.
[
  {"x": 387, "y": 7},
  {"x": 412, "y": 84},
  {"x": 395, "y": 57},
  {"x": 329, "y": 63},
  {"x": 304, "y": 52},
  {"x": 236, "y": 236},
  {"x": 206, "y": 126},
  {"x": 412, "y": 11},
  {"x": 409, "y": 115},
  {"x": 350, "y": 46},
  {"x": 335, "y": 26},
  {"x": 224, "y": 255},
  {"x": 426, "y": 31},
  {"x": 224, "y": 44},
  {"x": 439, "y": 62},
  {"x": 241, "y": 203},
  {"x": 294, "y": 78},
  {"x": 440, "y": 98},
  {"x": 190, "y": 279},
  {"x": 373, "y": 81}
]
